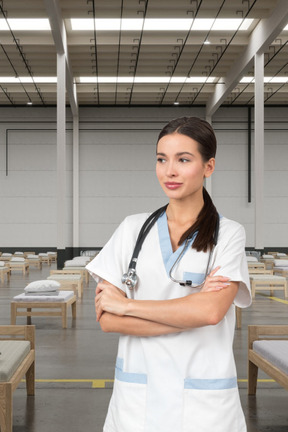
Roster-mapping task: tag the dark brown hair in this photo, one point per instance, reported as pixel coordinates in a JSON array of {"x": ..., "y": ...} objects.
[{"x": 201, "y": 132}]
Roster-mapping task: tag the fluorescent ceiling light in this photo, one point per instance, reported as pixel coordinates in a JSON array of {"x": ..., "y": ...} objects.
[
  {"x": 107, "y": 24},
  {"x": 145, "y": 80},
  {"x": 231, "y": 24},
  {"x": 159, "y": 24},
  {"x": 246, "y": 80},
  {"x": 28, "y": 80},
  {"x": 200, "y": 24},
  {"x": 276, "y": 79},
  {"x": 164, "y": 24},
  {"x": 25, "y": 24}
]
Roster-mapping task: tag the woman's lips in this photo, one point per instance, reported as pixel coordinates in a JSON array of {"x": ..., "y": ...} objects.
[{"x": 172, "y": 185}]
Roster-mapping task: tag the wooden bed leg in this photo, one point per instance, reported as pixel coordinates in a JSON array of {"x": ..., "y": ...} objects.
[
  {"x": 6, "y": 408},
  {"x": 30, "y": 380},
  {"x": 252, "y": 378}
]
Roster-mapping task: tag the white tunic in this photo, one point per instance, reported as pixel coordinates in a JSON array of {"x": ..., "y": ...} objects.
[{"x": 184, "y": 382}]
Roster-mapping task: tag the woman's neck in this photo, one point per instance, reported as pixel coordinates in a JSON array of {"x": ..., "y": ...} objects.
[
  {"x": 180, "y": 218},
  {"x": 183, "y": 213}
]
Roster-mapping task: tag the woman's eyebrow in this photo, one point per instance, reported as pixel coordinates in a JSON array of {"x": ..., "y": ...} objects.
[
  {"x": 177, "y": 154},
  {"x": 184, "y": 153}
]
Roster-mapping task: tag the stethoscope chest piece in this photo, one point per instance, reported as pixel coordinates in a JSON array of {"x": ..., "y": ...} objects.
[{"x": 130, "y": 278}]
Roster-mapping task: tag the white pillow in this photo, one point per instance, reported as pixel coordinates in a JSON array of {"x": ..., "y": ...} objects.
[
  {"x": 2, "y": 263},
  {"x": 6, "y": 254},
  {"x": 267, "y": 256},
  {"x": 281, "y": 263},
  {"x": 18, "y": 253},
  {"x": 70, "y": 263},
  {"x": 281, "y": 254},
  {"x": 42, "y": 285},
  {"x": 43, "y": 254},
  {"x": 75, "y": 263},
  {"x": 51, "y": 253},
  {"x": 32, "y": 256},
  {"x": 17, "y": 259},
  {"x": 82, "y": 259}
]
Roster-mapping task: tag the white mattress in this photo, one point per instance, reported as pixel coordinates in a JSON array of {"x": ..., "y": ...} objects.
[
  {"x": 74, "y": 268},
  {"x": 266, "y": 277},
  {"x": 275, "y": 351},
  {"x": 63, "y": 296},
  {"x": 57, "y": 277}
]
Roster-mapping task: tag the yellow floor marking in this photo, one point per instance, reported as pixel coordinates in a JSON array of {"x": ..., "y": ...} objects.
[
  {"x": 101, "y": 383},
  {"x": 259, "y": 380},
  {"x": 274, "y": 298},
  {"x": 279, "y": 300},
  {"x": 96, "y": 383}
]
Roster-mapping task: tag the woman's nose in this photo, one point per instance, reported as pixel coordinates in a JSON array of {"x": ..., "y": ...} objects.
[{"x": 171, "y": 169}]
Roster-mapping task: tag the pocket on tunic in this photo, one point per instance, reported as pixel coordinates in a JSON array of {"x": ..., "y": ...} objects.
[
  {"x": 213, "y": 409},
  {"x": 127, "y": 407}
]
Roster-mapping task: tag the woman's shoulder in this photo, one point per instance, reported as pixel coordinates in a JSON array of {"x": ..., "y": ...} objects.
[
  {"x": 133, "y": 222},
  {"x": 136, "y": 219},
  {"x": 230, "y": 226}
]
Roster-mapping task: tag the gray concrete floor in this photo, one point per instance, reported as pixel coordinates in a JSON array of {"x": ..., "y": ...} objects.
[{"x": 75, "y": 367}]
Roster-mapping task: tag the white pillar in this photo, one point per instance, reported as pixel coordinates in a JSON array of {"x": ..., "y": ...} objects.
[
  {"x": 61, "y": 152},
  {"x": 75, "y": 182},
  {"x": 259, "y": 151}
]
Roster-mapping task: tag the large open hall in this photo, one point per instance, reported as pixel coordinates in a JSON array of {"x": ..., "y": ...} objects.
[{"x": 143, "y": 216}]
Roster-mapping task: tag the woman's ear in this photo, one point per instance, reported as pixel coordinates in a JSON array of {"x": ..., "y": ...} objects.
[{"x": 209, "y": 167}]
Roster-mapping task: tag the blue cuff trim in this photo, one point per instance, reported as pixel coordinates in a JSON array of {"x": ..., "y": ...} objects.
[
  {"x": 130, "y": 377},
  {"x": 210, "y": 384}
]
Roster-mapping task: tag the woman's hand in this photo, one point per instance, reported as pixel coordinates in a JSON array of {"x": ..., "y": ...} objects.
[
  {"x": 215, "y": 283},
  {"x": 109, "y": 298}
]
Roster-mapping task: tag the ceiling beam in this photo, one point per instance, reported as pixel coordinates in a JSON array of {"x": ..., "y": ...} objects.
[
  {"x": 60, "y": 40},
  {"x": 264, "y": 34}
]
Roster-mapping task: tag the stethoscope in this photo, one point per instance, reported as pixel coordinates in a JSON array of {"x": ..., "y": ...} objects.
[{"x": 131, "y": 279}]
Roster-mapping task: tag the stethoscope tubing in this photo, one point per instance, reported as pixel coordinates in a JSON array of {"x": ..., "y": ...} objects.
[{"x": 130, "y": 278}]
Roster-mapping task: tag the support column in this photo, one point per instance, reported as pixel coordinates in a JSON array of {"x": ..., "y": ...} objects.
[
  {"x": 61, "y": 158},
  {"x": 259, "y": 151},
  {"x": 76, "y": 184}
]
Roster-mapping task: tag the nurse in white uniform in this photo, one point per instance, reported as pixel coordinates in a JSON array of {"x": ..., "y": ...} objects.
[{"x": 175, "y": 307}]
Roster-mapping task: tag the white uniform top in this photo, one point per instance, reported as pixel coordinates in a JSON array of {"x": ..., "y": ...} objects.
[{"x": 184, "y": 382}]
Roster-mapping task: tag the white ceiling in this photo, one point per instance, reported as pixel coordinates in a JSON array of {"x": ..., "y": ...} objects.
[{"x": 140, "y": 53}]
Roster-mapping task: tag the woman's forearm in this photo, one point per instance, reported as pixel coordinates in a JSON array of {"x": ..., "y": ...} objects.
[
  {"x": 134, "y": 326},
  {"x": 195, "y": 310}
]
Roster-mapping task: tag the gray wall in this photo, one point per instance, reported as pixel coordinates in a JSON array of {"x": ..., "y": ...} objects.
[{"x": 117, "y": 164}]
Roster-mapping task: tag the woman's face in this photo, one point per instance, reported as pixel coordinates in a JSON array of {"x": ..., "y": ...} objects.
[{"x": 180, "y": 168}]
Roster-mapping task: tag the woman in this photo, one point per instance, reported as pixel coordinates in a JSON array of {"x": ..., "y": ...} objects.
[{"x": 175, "y": 369}]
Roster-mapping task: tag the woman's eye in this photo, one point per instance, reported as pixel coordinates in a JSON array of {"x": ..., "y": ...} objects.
[
  {"x": 160, "y": 160},
  {"x": 183, "y": 160}
]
